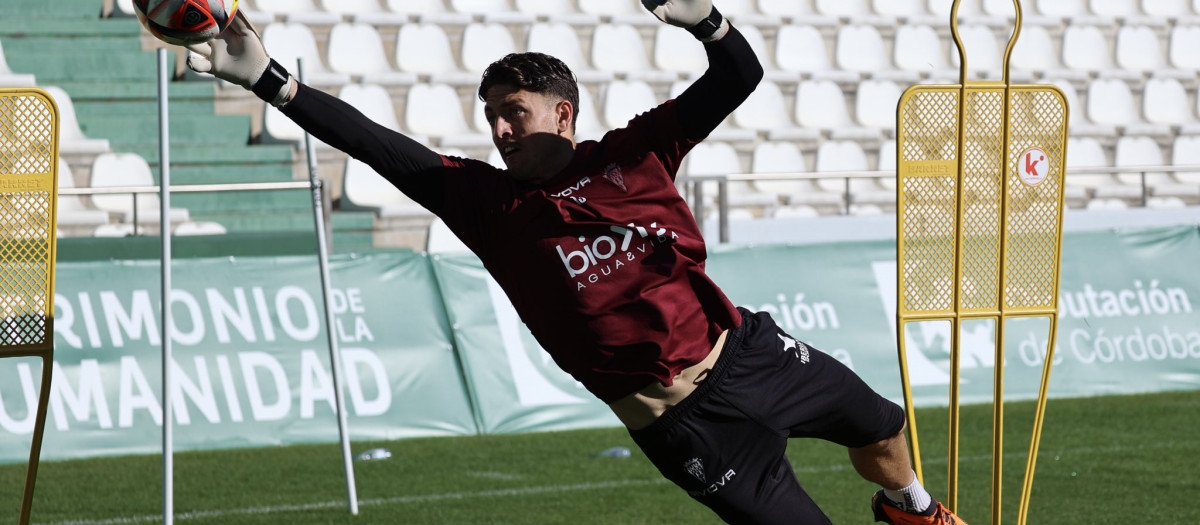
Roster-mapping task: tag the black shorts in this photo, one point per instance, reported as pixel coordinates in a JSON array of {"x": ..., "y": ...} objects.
[{"x": 724, "y": 444}]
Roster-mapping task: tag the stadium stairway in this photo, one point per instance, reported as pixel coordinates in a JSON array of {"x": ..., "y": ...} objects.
[{"x": 111, "y": 78}]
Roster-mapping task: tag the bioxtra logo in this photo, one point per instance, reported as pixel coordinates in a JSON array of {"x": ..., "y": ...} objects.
[{"x": 592, "y": 260}]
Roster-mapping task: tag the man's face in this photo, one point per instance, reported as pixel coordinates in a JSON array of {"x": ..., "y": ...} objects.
[{"x": 530, "y": 130}]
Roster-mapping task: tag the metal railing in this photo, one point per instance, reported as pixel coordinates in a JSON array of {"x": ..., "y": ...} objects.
[
  {"x": 695, "y": 185},
  {"x": 134, "y": 191}
]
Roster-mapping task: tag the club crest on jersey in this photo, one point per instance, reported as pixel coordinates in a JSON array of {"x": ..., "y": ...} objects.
[
  {"x": 696, "y": 468},
  {"x": 612, "y": 173}
]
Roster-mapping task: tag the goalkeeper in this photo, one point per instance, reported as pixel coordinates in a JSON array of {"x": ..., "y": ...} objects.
[{"x": 603, "y": 261}]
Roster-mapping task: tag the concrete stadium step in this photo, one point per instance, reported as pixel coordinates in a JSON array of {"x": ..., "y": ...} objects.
[
  {"x": 231, "y": 174},
  {"x": 260, "y": 201},
  {"x": 85, "y": 64},
  {"x": 231, "y": 130},
  {"x": 54, "y": 8},
  {"x": 42, "y": 44},
  {"x": 123, "y": 108},
  {"x": 136, "y": 90},
  {"x": 300, "y": 220},
  {"x": 213, "y": 156}
]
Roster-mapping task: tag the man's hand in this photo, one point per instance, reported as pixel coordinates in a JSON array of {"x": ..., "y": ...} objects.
[
  {"x": 237, "y": 56},
  {"x": 699, "y": 17}
]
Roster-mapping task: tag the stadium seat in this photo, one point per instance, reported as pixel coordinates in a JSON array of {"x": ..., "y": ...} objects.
[
  {"x": 1186, "y": 152},
  {"x": 373, "y": 101},
  {"x": 984, "y": 55},
  {"x": 917, "y": 48},
  {"x": 434, "y": 110},
  {"x": 618, "y": 48},
  {"x": 415, "y": 7},
  {"x": 899, "y": 8},
  {"x": 784, "y": 8},
  {"x": 801, "y": 48},
  {"x": 765, "y": 110},
  {"x": 847, "y": 156},
  {"x": 624, "y": 99},
  {"x": 71, "y": 209},
  {"x": 479, "y": 6},
  {"x": 10, "y": 79},
  {"x": 1110, "y": 102},
  {"x": 365, "y": 190},
  {"x": 1035, "y": 54},
  {"x": 860, "y": 49},
  {"x": 483, "y": 44},
  {"x": 820, "y": 104},
  {"x": 847, "y": 8},
  {"x": 795, "y": 212},
  {"x": 352, "y": 7},
  {"x": 1185, "y": 40},
  {"x": 875, "y": 104},
  {"x": 1165, "y": 8},
  {"x": 678, "y": 51},
  {"x": 192, "y": 228},
  {"x": 1113, "y": 8},
  {"x": 1084, "y": 47},
  {"x": 357, "y": 49},
  {"x": 424, "y": 49},
  {"x": 560, "y": 40},
  {"x": 785, "y": 157},
  {"x": 623, "y": 9},
  {"x": 941, "y": 8},
  {"x": 1165, "y": 101},
  {"x": 288, "y": 42},
  {"x": 71, "y": 138},
  {"x": 887, "y": 162},
  {"x": 1143, "y": 152},
  {"x": 1062, "y": 8},
  {"x": 297, "y": 11},
  {"x": 128, "y": 170},
  {"x": 587, "y": 121},
  {"x": 546, "y": 7},
  {"x": 719, "y": 158},
  {"x": 1138, "y": 49}
]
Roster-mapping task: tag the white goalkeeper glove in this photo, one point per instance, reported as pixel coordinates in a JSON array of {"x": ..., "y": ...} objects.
[
  {"x": 699, "y": 17},
  {"x": 237, "y": 56}
]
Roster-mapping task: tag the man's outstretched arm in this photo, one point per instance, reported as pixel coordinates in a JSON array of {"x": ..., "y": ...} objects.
[{"x": 733, "y": 69}]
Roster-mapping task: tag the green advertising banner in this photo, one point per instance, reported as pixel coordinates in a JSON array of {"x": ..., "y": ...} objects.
[
  {"x": 251, "y": 358},
  {"x": 514, "y": 383}
]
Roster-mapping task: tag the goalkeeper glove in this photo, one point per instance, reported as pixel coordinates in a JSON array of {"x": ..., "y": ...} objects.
[
  {"x": 237, "y": 56},
  {"x": 699, "y": 17}
]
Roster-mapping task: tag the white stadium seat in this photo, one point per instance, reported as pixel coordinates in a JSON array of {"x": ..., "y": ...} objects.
[
  {"x": 860, "y": 48},
  {"x": 1165, "y": 8},
  {"x": 1111, "y": 102},
  {"x": 875, "y": 105},
  {"x": 1113, "y": 8},
  {"x": 719, "y": 158},
  {"x": 357, "y": 49},
  {"x": 545, "y": 7},
  {"x": 435, "y": 110},
  {"x": 1185, "y": 40},
  {"x": 784, "y": 8},
  {"x": 288, "y": 42},
  {"x": 483, "y": 44},
  {"x": 191, "y": 228},
  {"x": 820, "y": 104},
  {"x": 1062, "y": 8},
  {"x": 917, "y": 48},
  {"x": 766, "y": 110},
  {"x": 424, "y": 49},
  {"x": 1138, "y": 49},
  {"x": 984, "y": 54},
  {"x": 126, "y": 170},
  {"x": 1186, "y": 152},
  {"x": 352, "y": 7},
  {"x": 1085, "y": 154},
  {"x": 1144, "y": 151},
  {"x": 71, "y": 138},
  {"x": 624, "y": 100},
  {"x": 1165, "y": 101},
  {"x": 843, "y": 155},
  {"x": 587, "y": 120},
  {"x": 479, "y": 6},
  {"x": 560, "y": 40},
  {"x": 609, "y": 7},
  {"x": 678, "y": 51},
  {"x": 785, "y": 157},
  {"x": 1084, "y": 47},
  {"x": 297, "y": 11},
  {"x": 852, "y": 8},
  {"x": 618, "y": 48},
  {"x": 415, "y": 7},
  {"x": 373, "y": 101},
  {"x": 941, "y": 8},
  {"x": 801, "y": 48},
  {"x": 898, "y": 8},
  {"x": 364, "y": 189},
  {"x": 71, "y": 209}
]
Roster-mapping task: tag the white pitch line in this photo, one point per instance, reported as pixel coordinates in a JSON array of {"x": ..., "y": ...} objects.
[{"x": 549, "y": 489}]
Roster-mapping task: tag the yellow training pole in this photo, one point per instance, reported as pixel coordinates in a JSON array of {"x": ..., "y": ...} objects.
[{"x": 28, "y": 220}]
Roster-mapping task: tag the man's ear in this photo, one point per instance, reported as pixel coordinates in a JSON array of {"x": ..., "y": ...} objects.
[{"x": 564, "y": 114}]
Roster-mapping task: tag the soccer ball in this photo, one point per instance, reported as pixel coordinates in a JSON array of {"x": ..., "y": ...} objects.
[{"x": 185, "y": 22}]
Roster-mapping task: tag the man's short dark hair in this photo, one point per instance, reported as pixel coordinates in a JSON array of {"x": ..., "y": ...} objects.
[{"x": 534, "y": 72}]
